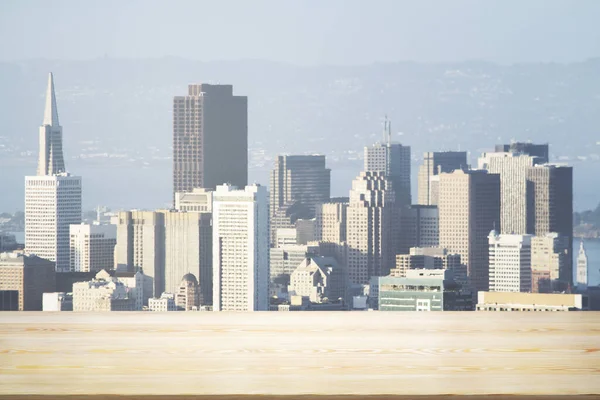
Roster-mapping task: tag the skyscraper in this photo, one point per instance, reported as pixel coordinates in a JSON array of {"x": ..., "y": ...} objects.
[
  {"x": 330, "y": 222},
  {"x": 53, "y": 197},
  {"x": 552, "y": 204},
  {"x": 435, "y": 163},
  {"x": 392, "y": 159},
  {"x": 549, "y": 254},
  {"x": 210, "y": 138},
  {"x": 515, "y": 204},
  {"x": 469, "y": 208},
  {"x": 240, "y": 248},
  {"x": 370, "y": 227},
  {"x": 92, "y": 247},
  {"x": 541, "y": 151}
]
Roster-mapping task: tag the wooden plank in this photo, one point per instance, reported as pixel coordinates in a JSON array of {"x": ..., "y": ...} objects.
[{"x": 390, "y": 353}]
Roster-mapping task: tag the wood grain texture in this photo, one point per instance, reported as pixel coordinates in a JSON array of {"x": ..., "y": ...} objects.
[{"x": 300, "y": 353}]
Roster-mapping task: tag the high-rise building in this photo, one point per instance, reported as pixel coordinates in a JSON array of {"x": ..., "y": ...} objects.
[
  {"x": 240, "y": 248},
  {"x": 283, "y": 260},
  {"x": 582, "y": 268},
  {"x": 210, "y": 138},
  {"x": 548, "y": 257},
  {"x": 541, "y": 151},
  {"x": 431, "y": 258},
  {"x": 188, "y": 250},
  {"x": 23, "y": 280},
  {"x": 53, "y": 197},
  {"x": 141, "y": 246},
  {"x": 393, "y": 160},
  {"x": 469, "y": 208},
  {"x": 198, "y": 200},
  {"x": 419, "y": 227},
  {"x": 92, "y": 247},
  {"x": 435, "y": 163},
  {"x": 552, "y": 205},
  {"x": 514, "y": 195},
  {"x": 370, "y": 224},
  {"x": 330, "y": 222},
  {"x": 510, "y": 263}
]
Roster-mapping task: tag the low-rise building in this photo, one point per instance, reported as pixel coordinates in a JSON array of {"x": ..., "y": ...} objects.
[
  {"x": 108, "y": 292},
  {"x": 188, "y": 295},
  {"x": 166, "y": 302},
  {"x": 58, "y": 301},
  {"x": 422, "y": 290},
  {"x": 430, "y": 258},
  {"x": 516, "y": 301},
  {"x": 319, "y": 279},
  {"x": 23, "y": 280}
]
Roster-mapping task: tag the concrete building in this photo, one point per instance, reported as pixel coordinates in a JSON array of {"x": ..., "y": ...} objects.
[
  {"x": 431, "y": 258},
  {"x": 286, "y": 217},
  {"x": 299, "y": 178},
  {"x": 210, "y": 138},
  {"x": 510, "y": 263},
  {"x": 392, "y": 160},
  {"x": 57, "y": 301},
  {"x": 141, "y": 245},
  {"x": 305, "y": 230},
  {"x": 422, "y": 290},
  {"x": 92, "y": 247},
  {"x": 516, "y": 301},
  {"x": 240, "y": 248},
  {"x": 541, "y": 151},
  {"x": 330, "y": 222},
  {"x": 552, "y": 199},
  {"x": 23, "y": 280},
  {"x": 370, "y": 224},
  {"x": 198, "y": 200},
  {"x": 8, "y": 242},
  {"x": 548, "y": 257},
  {"x": 283, "y": 260},
  {"x": 108, "y": 292},
  {"x": 419, "y": 227},
  {"x": 582, "y": 268},
  {"x": 320, "y": 279},
  {"x": 166, "y": 302},
  {"x": 53, "y": 197},
  {"x": 514, "y": 195},
  {"x": 469, "y": 208},
  {"x": 188, "y": 249},
  {"x": 435, "y": 163}
]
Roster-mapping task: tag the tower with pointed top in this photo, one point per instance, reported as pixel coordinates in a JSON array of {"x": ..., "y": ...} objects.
[
  {"x": 582, "y": 268},
  {"x": 53, "y": 196}
]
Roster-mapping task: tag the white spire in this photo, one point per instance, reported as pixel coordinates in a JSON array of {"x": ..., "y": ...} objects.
[{"x": 51, "y": 112}]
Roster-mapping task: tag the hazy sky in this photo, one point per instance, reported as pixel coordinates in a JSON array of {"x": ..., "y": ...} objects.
[{"x": 303, "y": 32}]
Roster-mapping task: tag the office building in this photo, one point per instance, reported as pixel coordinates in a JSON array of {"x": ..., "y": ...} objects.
[
  {"x": 435, "y": 163},
  {"x": 210, "y": 138},
  {"x": 57, "y": 301},
  {"x": 23, "y": 280},
  {"x": 582, "y": 268},
  {"x": 305, "y": 230},
  {"x": 283, "y": 260},
  {"x": 549, "y": 254},
  {"x": 541, "y": 151},
  {"x": 514, "y": 195},
  {"x": 240, "y": 248},
  {"x": 516, "y": 301},
  {"x": 421, "y": 290},
  {"x": 552, "y": 205},
  {"x": 303, "y": 179},
  {"x": 320, "y": 279},
  {"x": 286, "y": 217},
  {"x": 418, "y": 227},
  {"x": 8, "y": 242},
  {"x": 188, "y": 250},
  {"x": 92, "y": 247},
  {"x": 198, "y": 200},
  {"x": 188, "y": 294},
  {"x": 510, "y": 263},
  {"x": 370, "y": 224},
  {"x": 330, "y": 222},
  {"x": 141, "y": 246},
  {"x": 392, "y": 160},
  {"x": 52, "y": 197},
  {"x": 166, "y": 302},
  {"x": 109, "y": 292},
  {"x": 469, "y": 208},
  {"x": 431, "y": 258}
]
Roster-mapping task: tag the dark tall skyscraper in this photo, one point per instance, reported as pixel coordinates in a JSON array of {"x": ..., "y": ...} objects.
[
  {"x": 551, "y": 204},
  {"x": 536, "y": 150},
  {"x": 210, "y": 138}
]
